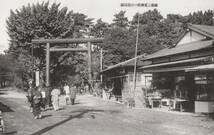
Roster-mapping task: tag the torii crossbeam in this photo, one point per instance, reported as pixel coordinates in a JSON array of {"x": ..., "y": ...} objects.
[{"x": 49, "y": 49}]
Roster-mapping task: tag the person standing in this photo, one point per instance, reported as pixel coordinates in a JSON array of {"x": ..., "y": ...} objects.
[
  {"x": 30, "y": 98},
  {"x": 37, "y": 96},
  {"x": 55, "y": 98},
  {"x": 67, "y": 93},
  {"x": 43, "y": 99},
  {"x": 30, "y": 95},
  {"x": 72, "y": 94}
]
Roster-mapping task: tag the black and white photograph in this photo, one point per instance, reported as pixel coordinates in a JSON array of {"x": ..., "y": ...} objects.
[{"x": 107, "y": 67}]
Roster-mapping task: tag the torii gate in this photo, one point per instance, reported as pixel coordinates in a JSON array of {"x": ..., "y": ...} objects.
[{"x": 49, "y": 49}]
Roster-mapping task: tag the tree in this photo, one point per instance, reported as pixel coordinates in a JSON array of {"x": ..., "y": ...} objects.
[
  {"x": 120, "y": 39},
  {"x": 120, "y": 20},
  {"x": 6, "y": 70},
  {"x": 43, "y": 20},
  {"x": 99, "y": 29},
  {"x": 202, "y": 18},
  {"x": 115, "y": 41},
  {"x": 150, "y": 16}
]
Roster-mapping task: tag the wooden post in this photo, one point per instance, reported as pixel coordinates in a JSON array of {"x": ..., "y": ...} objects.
[
  {"x": 101, "y": 64},
  {"x": 89, "y": 64},
  {"x": 47, "y": 64}
]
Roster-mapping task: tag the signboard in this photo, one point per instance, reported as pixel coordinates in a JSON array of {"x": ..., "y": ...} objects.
[
  {"x": 37, "y": 78},
  {"x": 203, "y": 79}
]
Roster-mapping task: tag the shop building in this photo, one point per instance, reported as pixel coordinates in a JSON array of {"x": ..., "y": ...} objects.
[
  {"x": 120, "y": 77},
  {"x": 184, "y": 73}
]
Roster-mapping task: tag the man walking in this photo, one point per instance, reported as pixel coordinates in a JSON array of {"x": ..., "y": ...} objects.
[
  {"x": 72, "y": 94},
  {"x": 67, "y": 93}
]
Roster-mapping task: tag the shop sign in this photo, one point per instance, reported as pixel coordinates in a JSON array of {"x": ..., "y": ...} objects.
[{"x": 203, "y": 79}]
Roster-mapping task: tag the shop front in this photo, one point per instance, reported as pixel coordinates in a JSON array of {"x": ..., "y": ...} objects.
[
  {"x": 204, "y": 87},
  {"x": 184, "y": 73},
  {"x": 176, "y": 89}
]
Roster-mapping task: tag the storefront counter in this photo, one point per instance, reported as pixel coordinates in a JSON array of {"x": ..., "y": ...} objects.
[{"x": 204, "y": 106}]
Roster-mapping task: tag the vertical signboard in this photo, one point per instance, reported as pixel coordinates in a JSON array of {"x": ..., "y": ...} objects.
[{"x": 37, "y": 78}]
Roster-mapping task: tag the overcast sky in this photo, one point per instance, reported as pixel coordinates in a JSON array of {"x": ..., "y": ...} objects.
[{"x": 104, "y": 9}]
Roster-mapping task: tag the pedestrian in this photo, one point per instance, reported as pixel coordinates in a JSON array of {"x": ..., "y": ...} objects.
[
  {"x": 30, "y": 95},
  {"x": 110, "y": 92},
  {"x": 72, "y": 94},
  {"x": 67, "y": 93},
  {"x": 30, "y": 98},
  {"x": 37, "y": 96},
  {"x": 43, "y": 99},
  {"x": 55, "y": 98}
]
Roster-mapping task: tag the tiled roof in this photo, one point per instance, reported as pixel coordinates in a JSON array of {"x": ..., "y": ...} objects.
[
  {"x": 193, "y": 46},
  {"x": 203, "y": 29},
  {"x": 126, "y": 63}
]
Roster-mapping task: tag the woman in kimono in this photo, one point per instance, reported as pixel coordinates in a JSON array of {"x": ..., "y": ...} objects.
[
  {"x": 37, "y": 97},
  {"x": 55, "y": 98}
]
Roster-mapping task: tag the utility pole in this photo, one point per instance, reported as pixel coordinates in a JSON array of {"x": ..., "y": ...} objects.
[
  {"x": 135, "y": 62},
  {"x": 101, "y": 64}
]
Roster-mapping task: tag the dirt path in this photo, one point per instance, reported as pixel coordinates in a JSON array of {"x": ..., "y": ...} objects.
[{"x": 94, "y": 116}]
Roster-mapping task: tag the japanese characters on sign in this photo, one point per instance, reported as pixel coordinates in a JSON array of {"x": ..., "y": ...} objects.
[{"x": 139, "y": 5}]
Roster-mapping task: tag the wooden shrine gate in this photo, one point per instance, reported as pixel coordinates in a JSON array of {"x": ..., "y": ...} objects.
[{"x": 49, "y": 49}]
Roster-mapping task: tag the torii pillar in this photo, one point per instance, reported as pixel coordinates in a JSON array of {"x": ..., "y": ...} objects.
[
  {"x": 89, "y": 63},
  {"x": 47, "y": 64}
]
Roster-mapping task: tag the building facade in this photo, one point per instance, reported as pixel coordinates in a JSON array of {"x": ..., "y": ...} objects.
[{"x": 186, "y": 70}]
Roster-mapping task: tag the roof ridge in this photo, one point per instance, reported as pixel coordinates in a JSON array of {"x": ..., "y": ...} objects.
[
  {"x": 190, "y": 43},
  {"x": 197, "y": 28}
]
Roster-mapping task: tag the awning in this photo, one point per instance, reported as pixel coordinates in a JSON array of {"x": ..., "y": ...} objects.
[
  {"x": 208, "y": 67},
  {"x": 174, "y": 62},
  {"x": 169, "y": 69}
]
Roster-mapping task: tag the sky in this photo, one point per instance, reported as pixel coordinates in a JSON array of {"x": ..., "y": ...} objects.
[{"x": 104, "y": 9}]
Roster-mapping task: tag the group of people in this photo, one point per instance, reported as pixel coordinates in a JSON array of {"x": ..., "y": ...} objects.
[{"x": 38, "y": 97}]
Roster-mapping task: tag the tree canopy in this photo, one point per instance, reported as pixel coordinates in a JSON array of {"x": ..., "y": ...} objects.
[{"x": 45, "y": 21}]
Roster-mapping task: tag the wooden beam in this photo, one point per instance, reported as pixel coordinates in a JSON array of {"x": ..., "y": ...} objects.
[
  {"x": 47, "y": 64},
  {"x": 67, "y": 41},
  {"x": 68, "y": 49}
]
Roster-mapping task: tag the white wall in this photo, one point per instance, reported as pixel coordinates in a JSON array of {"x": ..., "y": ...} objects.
[{"x": 191, "y": 38}]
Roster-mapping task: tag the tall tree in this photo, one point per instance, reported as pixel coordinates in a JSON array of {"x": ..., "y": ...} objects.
[
  {"x": 150, "y": 16},
  {"x": 203, "y": 18},
  {"x": 120, "y": 20},
  {"x": 99, "y": 29},
  {"x": 43, "y": 20}
]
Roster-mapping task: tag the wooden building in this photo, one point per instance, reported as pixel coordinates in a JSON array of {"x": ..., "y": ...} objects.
[
  {"x": 186, "y": 70},
  {"x": 120, "y": 76}
]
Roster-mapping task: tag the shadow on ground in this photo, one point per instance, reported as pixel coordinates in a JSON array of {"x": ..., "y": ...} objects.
[
  {"x": 2, "y": 93},
  {"x": 80, "y": 114},
  {"x": 5, "y": 108}
]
